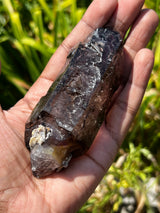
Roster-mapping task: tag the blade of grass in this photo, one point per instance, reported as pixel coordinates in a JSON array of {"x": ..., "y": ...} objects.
[
  {"x": 47, "y": 10},
  {"x": 37, "y": 46},
  {"x": 37, "y": 17},
  {"x": 8, "y": 5},
  {"x": 17, "y": 28}
]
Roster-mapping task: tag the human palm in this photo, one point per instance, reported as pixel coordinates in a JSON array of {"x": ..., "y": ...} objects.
[{"x": 68, "y": 190}]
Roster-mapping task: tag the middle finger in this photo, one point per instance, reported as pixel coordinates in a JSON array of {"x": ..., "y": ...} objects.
[
  {"x": 141, "y": 32},
  {"x": 125, "y": 15}
]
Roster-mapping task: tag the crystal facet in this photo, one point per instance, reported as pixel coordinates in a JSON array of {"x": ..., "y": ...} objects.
[{"x": 65, "y": 121}]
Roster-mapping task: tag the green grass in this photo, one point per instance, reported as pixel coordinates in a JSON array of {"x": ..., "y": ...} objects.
[
  {"x": 130, "y": 172},
  {"x": 30, "y": 32}
]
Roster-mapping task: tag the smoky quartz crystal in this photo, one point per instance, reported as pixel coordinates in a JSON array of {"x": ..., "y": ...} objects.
[{"x": 65, "y": 121}]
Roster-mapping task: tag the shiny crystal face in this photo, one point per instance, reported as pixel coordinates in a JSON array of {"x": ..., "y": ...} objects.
[
  {"x": 65, "y": 121},
  {"x": 48, "y": 158}
]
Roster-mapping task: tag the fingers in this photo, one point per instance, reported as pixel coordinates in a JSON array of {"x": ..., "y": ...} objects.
[
  {"x": 96, "y": 15},
  {"x": 109, "y": 138},
  {"x": 127, "y": 104},
  {"x": 141, "y": 32},
  {"x": 125, "y": 14}
]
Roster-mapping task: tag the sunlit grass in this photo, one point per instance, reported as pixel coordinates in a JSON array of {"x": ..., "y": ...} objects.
[{"x": 32, "y": 30}]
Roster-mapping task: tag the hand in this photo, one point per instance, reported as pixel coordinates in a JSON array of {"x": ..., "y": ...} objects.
[{"x": 68, "y": 190}]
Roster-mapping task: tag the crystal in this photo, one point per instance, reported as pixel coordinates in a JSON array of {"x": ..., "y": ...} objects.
[{"x": 65, "y": 122}]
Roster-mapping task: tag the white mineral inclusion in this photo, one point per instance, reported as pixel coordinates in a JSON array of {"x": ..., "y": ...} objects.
[
  {"x": 40, "y": 135},
  {"x": 98, "y": 45}
]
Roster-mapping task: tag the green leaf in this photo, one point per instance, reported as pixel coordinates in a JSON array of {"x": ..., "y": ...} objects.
[{"x": 38, "y": 46}]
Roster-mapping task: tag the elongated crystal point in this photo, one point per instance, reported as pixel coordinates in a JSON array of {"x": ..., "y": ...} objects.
[{"x": 65, "y": 121}]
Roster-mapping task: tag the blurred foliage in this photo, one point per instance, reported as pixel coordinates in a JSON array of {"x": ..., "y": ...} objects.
[
  {"x": 30, "y": 32},
  {"x": 127, "y": 177}
]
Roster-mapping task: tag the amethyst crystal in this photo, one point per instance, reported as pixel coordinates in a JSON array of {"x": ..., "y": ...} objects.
[{"x": 65, "y": 121}]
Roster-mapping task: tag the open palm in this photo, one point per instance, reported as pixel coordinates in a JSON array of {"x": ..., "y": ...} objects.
[{"x": 68, "y": 190}]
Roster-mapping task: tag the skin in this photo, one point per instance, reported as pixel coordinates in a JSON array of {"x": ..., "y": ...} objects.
[{"x": 68, "y": 190}]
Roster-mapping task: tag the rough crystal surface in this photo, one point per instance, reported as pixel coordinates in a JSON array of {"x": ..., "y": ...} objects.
[{"x": 65, "y": 121}]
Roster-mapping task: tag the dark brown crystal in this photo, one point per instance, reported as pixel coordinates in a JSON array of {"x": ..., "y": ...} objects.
[{"x": 65, "y": 121}]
